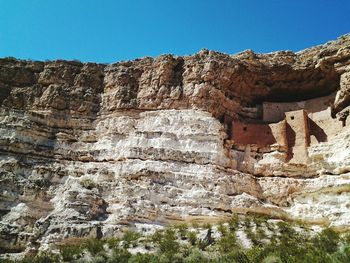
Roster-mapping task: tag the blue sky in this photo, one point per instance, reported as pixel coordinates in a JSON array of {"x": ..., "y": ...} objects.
[{"x": 108, "y": 31}]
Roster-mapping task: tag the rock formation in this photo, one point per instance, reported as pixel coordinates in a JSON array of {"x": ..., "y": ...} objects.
[{"x": 87, "y": 149}]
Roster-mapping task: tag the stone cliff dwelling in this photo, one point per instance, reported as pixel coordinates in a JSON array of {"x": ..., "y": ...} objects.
[{"x": 288, "y": 127}]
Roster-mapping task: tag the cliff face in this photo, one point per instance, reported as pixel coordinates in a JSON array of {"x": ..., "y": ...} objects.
[{"x": 86, "y": 149}]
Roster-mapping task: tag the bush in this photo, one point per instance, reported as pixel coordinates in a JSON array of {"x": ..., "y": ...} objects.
[
  {"x": 342, "y": 256},
  {"x": 182, "y": 230},
  {"x": 71, "y": 252},
  {"x": 101, "y": 257},
  {"x": 195, "y": 225},
  {"x": 327, "y": 240},
  {"x": 222, "y": 229},
  {"x": 259, "y": 220},
  {"x": 130, "y": 238},
  {"x": 227, "y": 243},
  {"x": 233, "y": 222},
  {"x": 113, "y": 242},
  {"x": 45, "y": 257},
  {"x": 254, "y": 254},
  {"x": 247, "y": 222},
  {"x": 195, "y": 256},
  {"x": 143, "y": 258},
  {"x": 234, "y": 257},
  {"x": 192, "y": 237},
  {"x": 346, "y": 239},
  {"x": 93, "y": 245},
  {"x": 272, "y": 259},
  {"x": 253, "y": 237},
  {"x": 286, "y": 230},
  {"x": 119, "y": 255},
  {"x": 88, "y": 183},
  {"x": 168, "y": 243}
]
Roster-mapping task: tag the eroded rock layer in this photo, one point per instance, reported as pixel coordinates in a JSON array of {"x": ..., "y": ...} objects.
[{"x": 86, "y": 149}]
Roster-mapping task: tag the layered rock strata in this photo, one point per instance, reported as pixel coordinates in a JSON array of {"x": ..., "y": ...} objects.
[{"x": 87, "y": 149}]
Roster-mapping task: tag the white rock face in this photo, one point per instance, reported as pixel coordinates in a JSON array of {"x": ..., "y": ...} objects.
[
  {"x": 152, "y": 167},
  {"x": 332, "y": 156}
]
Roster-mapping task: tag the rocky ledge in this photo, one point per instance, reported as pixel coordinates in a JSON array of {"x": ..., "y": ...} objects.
[{"x": 88, "y": 149}]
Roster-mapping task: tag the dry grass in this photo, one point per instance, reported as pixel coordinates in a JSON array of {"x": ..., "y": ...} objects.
[{"x": 72, "y": 241}]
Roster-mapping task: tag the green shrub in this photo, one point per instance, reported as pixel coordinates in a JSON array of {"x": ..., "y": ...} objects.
[
  {"x": 157, "y": 236},
  {"x": 71, "y": 252},
  {"x": 342, "y": 256},
  {"x": 195, "y": 256},
  {"x": 222, "y": 229},
  {"x": 88, "y": 183},
  {"x": 327, "y": 240},
  {"x": 272, "y": 259},
  {"x": 100, "y": 257},
  {"x": 260, "y": 234},
  {"x": 270, "y": 227},
  {"x": 195, "y": 225},
  {"x": 168, "y": 243},
  {"x": 45, "y": 257},
  {"x": 313, "y": 255},
  {"x": 234, "y": 257},
  {"x": 247, "y": 222},
  {"x": 192, "y": 237},
  {"x": 113, "y": 242},
  {"x": 254, "y": 254},
  {"x": 346, "y": 239},
  {"x": 182, "y": 230},
  {"x": 233, "y": 222},
  {"x": 143, "y": 258},
  {"x": 227, "y": 243},
  {"x": 259, "y": 220},
  {"x": 93, "y": 245},
  {"x": 130, "y": 238},
  {"x": 286, "y": 230},
  {"x": 119, "y": 255}
]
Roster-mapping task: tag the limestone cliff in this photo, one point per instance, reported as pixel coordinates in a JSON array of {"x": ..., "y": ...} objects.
[{"x": 87, "y": 149}]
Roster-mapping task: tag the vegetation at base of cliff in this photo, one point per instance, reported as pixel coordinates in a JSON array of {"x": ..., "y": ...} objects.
[{"x": 270, "y": 242}]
